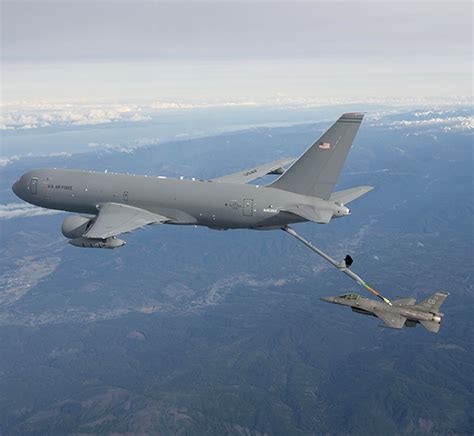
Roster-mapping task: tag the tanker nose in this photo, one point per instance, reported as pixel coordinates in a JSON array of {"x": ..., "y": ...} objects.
[{"x": 16, "y": 188}]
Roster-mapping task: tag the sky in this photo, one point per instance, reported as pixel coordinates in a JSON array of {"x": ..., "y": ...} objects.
[{"x": 225, "y": 52}]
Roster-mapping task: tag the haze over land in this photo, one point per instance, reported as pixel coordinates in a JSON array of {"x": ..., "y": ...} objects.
[{"x": 191, "y": 331}]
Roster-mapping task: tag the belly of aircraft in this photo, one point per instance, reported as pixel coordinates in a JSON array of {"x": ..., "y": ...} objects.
[{"x": 257, "y": 222}]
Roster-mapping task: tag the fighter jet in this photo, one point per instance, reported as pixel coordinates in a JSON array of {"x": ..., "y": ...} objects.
[
  {"x": 108, "y": 204},
  {"x": 401, "y": 313}
]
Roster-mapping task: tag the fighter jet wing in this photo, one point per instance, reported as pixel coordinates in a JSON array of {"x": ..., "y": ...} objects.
[
  {"x": 391, "y": 320},
  {"x": 115, "y": 218},
  {"x": 409, "y": 301},
  {"x": 244, "y": 176}
]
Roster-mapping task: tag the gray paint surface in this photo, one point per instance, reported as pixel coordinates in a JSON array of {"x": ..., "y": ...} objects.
[
  {"x": 122, "y": 202},
  {"x": 401, "y": 313},
  {"x": 316, "y": 172}
]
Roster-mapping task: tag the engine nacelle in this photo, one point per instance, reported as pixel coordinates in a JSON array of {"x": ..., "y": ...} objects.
[
  {"x": 112, "y": 242},
  {"x": 74, "y": 226}
]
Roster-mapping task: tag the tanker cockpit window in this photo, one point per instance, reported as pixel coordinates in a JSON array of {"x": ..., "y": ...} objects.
[{"x": 34, "y": 186}]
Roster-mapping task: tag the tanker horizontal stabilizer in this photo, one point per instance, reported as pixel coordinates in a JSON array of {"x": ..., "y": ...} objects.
[
  {"x": 349, "y": 195},
  {"x": 245, "y": 176}
]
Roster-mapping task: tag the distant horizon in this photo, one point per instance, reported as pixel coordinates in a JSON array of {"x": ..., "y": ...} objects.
[{"x": 62, "y": 130}]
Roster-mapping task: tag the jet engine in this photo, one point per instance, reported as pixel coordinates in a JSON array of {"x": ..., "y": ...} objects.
[
  {"x": 74, "y": 226},
  {"x": 112, "y": 242}
]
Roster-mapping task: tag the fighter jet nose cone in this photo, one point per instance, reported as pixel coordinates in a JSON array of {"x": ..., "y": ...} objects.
[{"x": 327, "y": 299}]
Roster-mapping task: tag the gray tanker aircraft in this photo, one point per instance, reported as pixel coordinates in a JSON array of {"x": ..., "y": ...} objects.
[
  {"x": 400, "y": 313},
  {"x": 119, "y": 203}
]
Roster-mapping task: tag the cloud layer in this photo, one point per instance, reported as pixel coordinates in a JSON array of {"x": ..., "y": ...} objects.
[
  {"x": 445, "y": 124},
  {"x": 17, "y": 210},
  {"x": 25, "y": 115},
  {"x": 4, "y": 160}
]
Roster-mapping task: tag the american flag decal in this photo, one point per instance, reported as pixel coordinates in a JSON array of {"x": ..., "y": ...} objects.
[{"x": 325, "y": 145}]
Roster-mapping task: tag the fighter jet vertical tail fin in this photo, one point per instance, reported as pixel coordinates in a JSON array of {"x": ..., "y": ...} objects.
[
  {"x": 433, "y": 303},
  {"x": 316, "y": 172}
]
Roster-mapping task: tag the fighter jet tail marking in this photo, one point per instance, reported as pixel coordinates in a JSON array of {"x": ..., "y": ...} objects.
[{"x": 433, "y": 303}]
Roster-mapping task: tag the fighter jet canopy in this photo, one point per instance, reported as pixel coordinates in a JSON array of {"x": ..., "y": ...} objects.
[{"x": 350, "y": 296}]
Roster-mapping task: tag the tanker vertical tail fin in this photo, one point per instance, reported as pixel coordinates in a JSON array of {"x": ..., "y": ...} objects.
[{"x": 316, "y": 172}]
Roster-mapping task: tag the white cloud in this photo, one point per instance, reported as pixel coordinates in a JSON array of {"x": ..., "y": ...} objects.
[
  {"x": 446, "y": 124},
  {"x": 27, "y": 115},
  {"x": 4, "y": 160},
  {"x": 121, "y": 148},
  {"x": 125, "y": 148},
  {"x": 136, "y": 117},
  {"x": 114, "y": 147},
  {"x": 33, "y": 115},
  {"x": 181, "y": 105},
  {"x": 144, "y": 141},
  {"x": 16, "y": 210}
]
